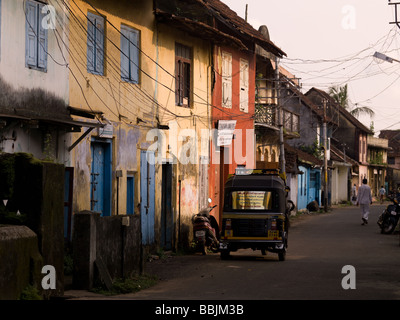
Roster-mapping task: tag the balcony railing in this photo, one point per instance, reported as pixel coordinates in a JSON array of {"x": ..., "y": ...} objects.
[{"x": 266, "y": 114}]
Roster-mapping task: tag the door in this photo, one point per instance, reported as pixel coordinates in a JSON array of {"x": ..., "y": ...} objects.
[
  {"x": 302, "y": 188},
  {"x": 100, "y": 188},
  {"x": 147, "y": 195},
  {"x": 314, "y": 186},
  {"x": 166, "y": 207}
]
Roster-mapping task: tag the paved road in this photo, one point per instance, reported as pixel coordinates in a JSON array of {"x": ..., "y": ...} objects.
[{"x": 319, "y": 246}]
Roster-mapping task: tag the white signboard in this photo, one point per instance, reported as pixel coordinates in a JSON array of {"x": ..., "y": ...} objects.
[
  {"x": 225, "y": 132},
  {"x": 106, "y": 131}
]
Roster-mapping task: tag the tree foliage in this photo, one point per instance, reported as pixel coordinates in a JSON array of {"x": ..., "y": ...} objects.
[{"x": 340, "y": 95}]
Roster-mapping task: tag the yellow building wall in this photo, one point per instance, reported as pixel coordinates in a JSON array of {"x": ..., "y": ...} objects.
[
  {"x": 183, "y": 122},
  {"x": 133, "y": 109},
  {"x": 128, "y": 107}
]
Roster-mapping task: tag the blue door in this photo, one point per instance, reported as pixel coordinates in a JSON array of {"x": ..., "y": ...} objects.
[
  {"x": 314, "y": 186},
  {"x": 147, "y": 195},
  {"x": 100, "y": 178},
  {"x": 302, "y": 188}
]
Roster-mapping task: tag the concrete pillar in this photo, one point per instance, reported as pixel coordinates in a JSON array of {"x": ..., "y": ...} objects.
[{"x": 84, "y": 249}]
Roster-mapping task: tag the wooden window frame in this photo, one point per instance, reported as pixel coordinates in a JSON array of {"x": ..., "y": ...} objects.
[
  {"x": 183, "y": 78},
  {"x": 39, "y": 35},
  {"x": 95, "y": 69}
]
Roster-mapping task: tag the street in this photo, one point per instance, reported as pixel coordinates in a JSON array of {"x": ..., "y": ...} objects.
[{"x": 319, "y": 247}]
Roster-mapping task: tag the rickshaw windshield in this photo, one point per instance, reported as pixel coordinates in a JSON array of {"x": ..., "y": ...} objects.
[{"x": 253, "y": 200}]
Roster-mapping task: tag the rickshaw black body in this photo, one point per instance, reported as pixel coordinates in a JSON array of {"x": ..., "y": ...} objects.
[{"x": 255, "y": 213}]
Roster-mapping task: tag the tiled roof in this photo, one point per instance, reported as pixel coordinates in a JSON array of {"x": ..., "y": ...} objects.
[
  {"x": 394, "y": 141},
  {"x": 338, "y": 155},
  {"x": 343, "y": 111},
  {"x": 243, "y": 26},
  {"x": 214, "y": 21},
  {"x": 304, "y": 156}
]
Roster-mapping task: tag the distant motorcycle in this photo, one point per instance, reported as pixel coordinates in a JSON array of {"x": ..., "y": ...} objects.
[
  {"x": 389, "y": 218},
  {"x": 205, "y": 231}
]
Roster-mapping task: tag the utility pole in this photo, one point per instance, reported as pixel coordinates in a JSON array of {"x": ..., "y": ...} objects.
[
  {"x": 282, "y": 164},
  {"x": 325, "y": 160},
  {"x": 396, "y": 21}
]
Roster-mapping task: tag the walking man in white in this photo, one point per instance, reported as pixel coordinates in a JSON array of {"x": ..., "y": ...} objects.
[{"x": 364, "y": 200}]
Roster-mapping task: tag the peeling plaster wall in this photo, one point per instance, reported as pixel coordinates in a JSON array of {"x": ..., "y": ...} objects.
[
  {"x": 185, "y": 121},
  {"x": 82, "y": 156},
  {"x": 128, "y": 107},
  {"x": 133, "y": 113}
]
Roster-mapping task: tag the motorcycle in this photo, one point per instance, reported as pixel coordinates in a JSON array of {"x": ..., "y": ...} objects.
[
  {"x": 205, "y": 231},
  {"x": 389, "y": 218}
]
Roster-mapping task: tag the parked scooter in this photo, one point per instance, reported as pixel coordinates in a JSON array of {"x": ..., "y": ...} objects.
[
  {"x": 205, "y": 231},
  {"x": 389, "y": 218}
]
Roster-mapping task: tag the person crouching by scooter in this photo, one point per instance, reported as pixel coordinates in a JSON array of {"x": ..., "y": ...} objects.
[{"x": 364, "y": 200}]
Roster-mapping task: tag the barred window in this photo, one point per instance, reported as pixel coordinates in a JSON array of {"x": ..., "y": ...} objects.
[{"x": 183, "y": 70}]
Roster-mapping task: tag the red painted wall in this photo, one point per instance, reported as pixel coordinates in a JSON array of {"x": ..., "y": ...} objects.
[{"x": 243, "y": 120}]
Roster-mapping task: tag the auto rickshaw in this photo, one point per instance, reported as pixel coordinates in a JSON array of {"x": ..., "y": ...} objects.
[{"x": 255, "y": 212}]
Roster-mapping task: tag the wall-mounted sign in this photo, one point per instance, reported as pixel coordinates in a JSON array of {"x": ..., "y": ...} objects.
[
  {"x": 225, "y": 132},
  {"x": 106, "y": 131}
]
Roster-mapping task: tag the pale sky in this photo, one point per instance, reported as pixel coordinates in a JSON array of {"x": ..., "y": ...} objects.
[{"x": 332, "y": 42}]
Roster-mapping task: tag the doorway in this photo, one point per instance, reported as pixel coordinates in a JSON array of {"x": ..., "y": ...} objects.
[
  {"x": 100, "y": 177},
  {"x": 147, "y": 195},
  {"x": 167, "y": 220}
]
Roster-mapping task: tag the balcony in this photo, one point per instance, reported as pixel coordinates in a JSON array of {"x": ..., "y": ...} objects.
[{"x": 266, "y": 114}]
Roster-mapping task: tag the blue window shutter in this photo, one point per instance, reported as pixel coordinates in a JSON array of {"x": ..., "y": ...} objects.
[
  {"x": 42, "y": 43},
  {"x": 134, "y": 56},
  {"x": 99, "y": 62},
  {"x": 31, "y": 55},
  {"x": 129, "y": 54},
  {"x": 124, "y": 54},
  {"x": 91, "y": 42}
]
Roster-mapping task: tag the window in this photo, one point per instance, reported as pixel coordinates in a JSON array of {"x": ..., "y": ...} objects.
[
  {"x": 226, "y": 80},
  {"x": 129, "y": 54},
  {"x": 95, "y": 44},
  {"x": 291, "y": 121},
  {"x": 183, "y": 66},
  {"x": 244, "y": 85},
  {"x": 130, "y": 194},
  {"x": 35, "y": 36}
]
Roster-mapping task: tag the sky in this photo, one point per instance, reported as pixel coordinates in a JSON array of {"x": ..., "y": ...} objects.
[{"x": 331, "y": 43}]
